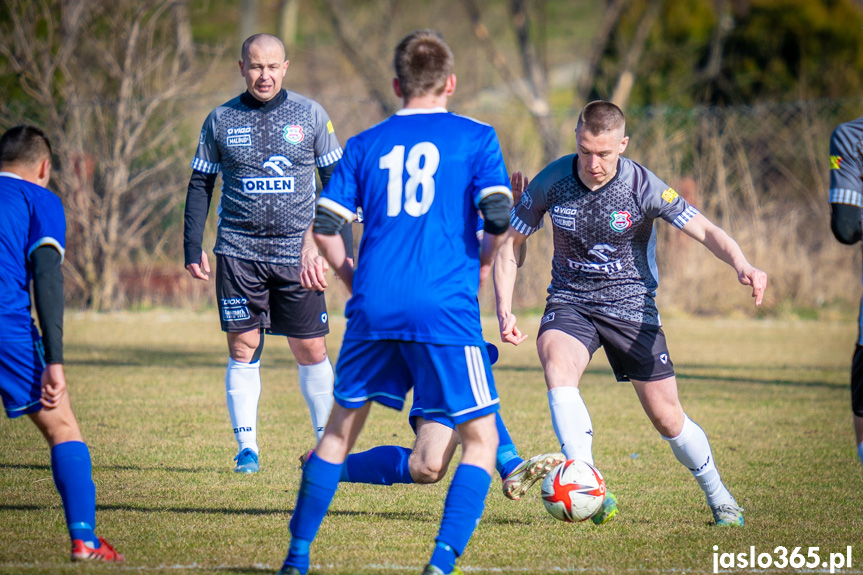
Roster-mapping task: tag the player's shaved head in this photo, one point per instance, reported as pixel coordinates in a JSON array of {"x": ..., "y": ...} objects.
[
  {"x": 24, "y": 145},
  {"x": 599, "y": 117},
  {"x": 423, "y": 62},
  {"x": 262, "y": 40}
]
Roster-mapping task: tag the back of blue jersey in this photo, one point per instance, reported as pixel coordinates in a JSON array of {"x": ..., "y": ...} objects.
[
  {"x": 31, "y": 217},
  {"x": 418, "y": 177}
]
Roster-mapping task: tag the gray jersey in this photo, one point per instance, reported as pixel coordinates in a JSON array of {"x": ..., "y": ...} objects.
[
  {"x": 604, "y": 241},
  {"x": 846, "y": 164},
  {"x": 267, "y": 153}
]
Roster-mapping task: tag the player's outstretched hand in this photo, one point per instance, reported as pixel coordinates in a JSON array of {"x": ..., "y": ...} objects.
[
  {"x": 200, "y": 271},
  {"x": 53, "y": 385},
  {"x": 509, "y": 332},
  {"x": 518, "y": 183},
  {"x": 750, "y": 276},
  {"x": 313, "y": 270}
]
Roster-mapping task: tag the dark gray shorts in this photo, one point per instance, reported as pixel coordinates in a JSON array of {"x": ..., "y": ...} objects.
[
  {"x": 635, "y": 350},
  {"x": 258, "y": 295}
]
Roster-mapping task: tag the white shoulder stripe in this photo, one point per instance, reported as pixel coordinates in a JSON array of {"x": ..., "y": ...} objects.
[
  {"x": 485, "y": 192},
  {"x": 520, "y": 226},
  {"x": 329, "y": 159},
  {"x": 48, "y": 241},
  {"x": 843, "y": 196},
  {"x": 206, "y": 167},
  {"x": 684, "y": 218},
  {"x": 337, "y": 209}
]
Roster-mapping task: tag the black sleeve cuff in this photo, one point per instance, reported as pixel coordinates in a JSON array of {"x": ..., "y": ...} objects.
[
  {"x": 495, "y": 210},
  {"x": 845, "y": 223},
  {"x": 328, "y": 223}
]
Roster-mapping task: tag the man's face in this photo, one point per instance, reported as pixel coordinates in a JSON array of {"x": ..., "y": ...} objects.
[
  {"x": 264, "y": 68},
  {"x": 598, "y": 155}
]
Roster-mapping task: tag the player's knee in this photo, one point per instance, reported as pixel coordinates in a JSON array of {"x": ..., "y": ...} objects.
[{"x": 427, "y": 471}]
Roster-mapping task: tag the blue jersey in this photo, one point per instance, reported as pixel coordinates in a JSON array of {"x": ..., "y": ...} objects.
[
  {"x": 418, "y": 178},
  {"x": 31, "y": 217}
]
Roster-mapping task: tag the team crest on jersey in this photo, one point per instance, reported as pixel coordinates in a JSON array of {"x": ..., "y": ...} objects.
[
  {"x": 835, "y": 162},
  {"x": 293, "y": 134},
  {"x": 621, "y": 221},
  {"x": 669, "y": 195}
]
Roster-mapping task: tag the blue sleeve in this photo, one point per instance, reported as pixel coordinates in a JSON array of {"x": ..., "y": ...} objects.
[
  {"x": 342, "y": 194},
  {"x": 490, "y": 175},
  {"x": 47, "y": 223}
]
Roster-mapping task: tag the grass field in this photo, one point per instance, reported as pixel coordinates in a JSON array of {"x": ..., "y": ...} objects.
[{"x": 148, "y": 391}]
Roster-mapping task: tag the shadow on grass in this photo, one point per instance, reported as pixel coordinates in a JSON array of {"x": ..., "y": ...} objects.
[
  {"x": 382, "y": 515},
  {"x": 40, "y": 467}
]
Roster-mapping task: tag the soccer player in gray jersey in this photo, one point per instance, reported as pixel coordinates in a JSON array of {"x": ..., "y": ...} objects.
[
  {"x": 269, "y": 276},
  {"x": 604, "y": 280},
  {"x": 846, "y": 199}
]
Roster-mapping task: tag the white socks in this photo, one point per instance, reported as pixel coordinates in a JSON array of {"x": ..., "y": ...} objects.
[
  {"x": 571, "y": 423},
  {"x": 692, "y": 449},
  {"x": 316, "y": 383},
  {"x": 243, "y": 389}
]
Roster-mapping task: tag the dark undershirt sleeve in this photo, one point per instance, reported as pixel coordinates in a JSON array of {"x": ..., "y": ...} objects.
[
  {"x": 328, "y": 223},
  {"x": 198, "y": 198},
  {"x": 495, "y": 210},
  {"x": 845, "y": 223},
  {"x": 48, "y": 300}
]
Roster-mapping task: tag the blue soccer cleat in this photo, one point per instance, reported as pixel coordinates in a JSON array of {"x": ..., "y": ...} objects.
[{"x": 247, "y": 462}]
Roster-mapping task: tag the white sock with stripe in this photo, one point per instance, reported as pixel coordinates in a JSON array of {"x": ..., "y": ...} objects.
[
  {"x": 316, "y": 383},
  {"x": 243, "y": 389},
  {"x": 571, "y": 422}
]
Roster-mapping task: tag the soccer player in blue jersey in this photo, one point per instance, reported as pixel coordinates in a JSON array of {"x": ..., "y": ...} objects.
[
  {"x": 269, "y": 277},
  {"x": 604, "y": 278},
  {"x": 413, "y": 320},
  {"x": 32, "y": 380},
  {"x": 846, "y": 199},
  {"x": 435, "y": 443}
]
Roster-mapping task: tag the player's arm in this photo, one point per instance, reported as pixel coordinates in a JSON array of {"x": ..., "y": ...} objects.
[
  {"x": 845, "y": 223},
  {"x": 505, "y": 271},
  {"x": 518, "y": 184},
  {"x": 313, "y": 268},
  {"x": 198, "y": 198},
  {"x": 326, "y": 229},
  {"x": 48, "y": 301},
  {"x": 346, "y": 232},
  {"x": 726, "y": 249}
]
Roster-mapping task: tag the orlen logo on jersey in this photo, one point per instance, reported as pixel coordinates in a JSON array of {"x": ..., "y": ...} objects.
[
  {"x": 281, "y": 185},
  {"x": 239, "y": 136},
  {"x": 621, "y": 221},
  {"x": 293, "y": 134},
  {"x": 563, "y": 217},
  {"x": 602, "y": 262}
]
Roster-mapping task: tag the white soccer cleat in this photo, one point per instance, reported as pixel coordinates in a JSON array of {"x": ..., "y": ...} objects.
[{"x": 528, "y": 472}]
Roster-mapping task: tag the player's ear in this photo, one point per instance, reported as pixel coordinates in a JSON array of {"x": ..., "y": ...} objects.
[
  {"x": 623, "y": 144},
  {"x": 44, "y": 172},
  {"x": 449, "y": 88},
  {"x": 397, "y": 88},
  {"x": 242, "y": 68}
]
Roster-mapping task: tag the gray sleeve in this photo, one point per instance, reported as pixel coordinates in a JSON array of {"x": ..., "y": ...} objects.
[
  {"x": 208, "y": 158},
  {"x": 328, "y": 150},
  {"x": 659, "y": 200}
]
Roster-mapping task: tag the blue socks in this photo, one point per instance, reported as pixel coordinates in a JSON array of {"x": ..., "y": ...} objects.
[
  {"x": 860, "y": 451},
  {"x": 382, "y": 465},
  {"x": 507, "y": 454},
  {"x": 73, "y": 476},
  {"x": 320, "y": 480},
  {"x": 465, "y": 502}
]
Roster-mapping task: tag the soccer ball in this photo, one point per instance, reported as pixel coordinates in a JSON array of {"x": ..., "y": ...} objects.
[{"x": 573, "y": 491}]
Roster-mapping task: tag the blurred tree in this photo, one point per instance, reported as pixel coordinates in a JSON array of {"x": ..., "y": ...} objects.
[{"x": 106, "y": 79}]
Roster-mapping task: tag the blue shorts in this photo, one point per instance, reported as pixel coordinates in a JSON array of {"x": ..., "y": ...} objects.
[
  {"x": 21, "y": 366},
  {"x": 454, "y": 382},
  {"x": 417, "y": 405}
]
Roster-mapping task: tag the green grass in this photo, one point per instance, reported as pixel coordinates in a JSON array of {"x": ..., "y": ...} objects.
[{"x": 148, "y": 391}]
